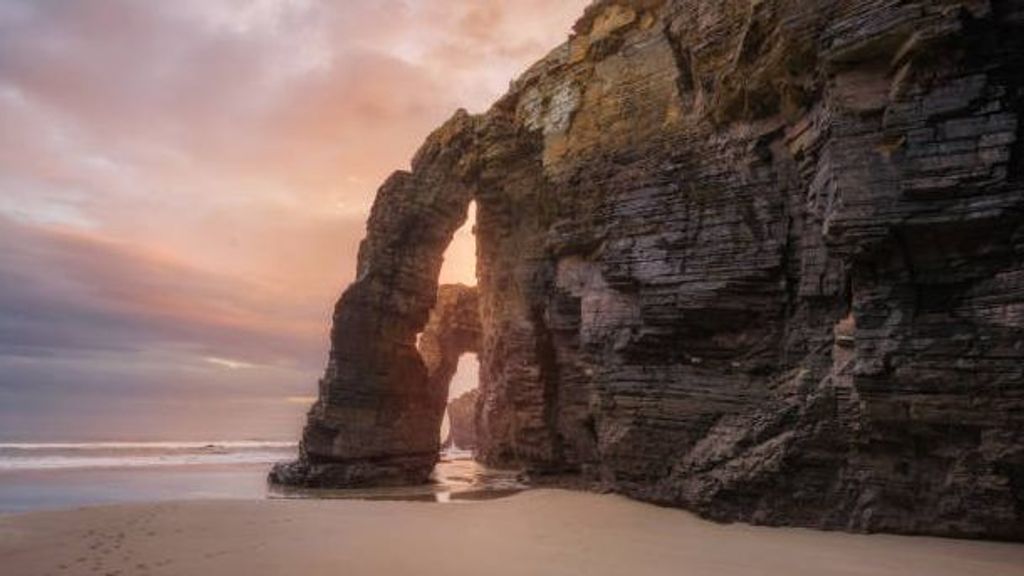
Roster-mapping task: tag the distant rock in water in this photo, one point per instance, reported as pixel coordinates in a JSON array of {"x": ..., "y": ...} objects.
[
  {"x": 462, "y": 419},
  {"x": 760, "y": 259}
]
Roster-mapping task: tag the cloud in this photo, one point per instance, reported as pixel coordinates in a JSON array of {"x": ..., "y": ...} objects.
[
  {"x": 66, "y": 291},
  {"x": 100, "y": 338},
  {"x": 188, "y": 181}
]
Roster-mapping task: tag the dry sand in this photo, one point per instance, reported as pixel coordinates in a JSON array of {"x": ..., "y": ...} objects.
[{"x": 539, "y": 532}]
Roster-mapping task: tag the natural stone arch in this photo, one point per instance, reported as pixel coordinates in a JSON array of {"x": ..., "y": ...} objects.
[
  {"x": 453, "y": 330},
  {"x": 377, "y": 417}
]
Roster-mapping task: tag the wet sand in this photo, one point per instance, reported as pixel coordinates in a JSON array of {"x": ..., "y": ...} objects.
[
  {"x": 532, "y": 533},
  {"x": 39, "y": 490},
  {"x": 35, "y": 490}
]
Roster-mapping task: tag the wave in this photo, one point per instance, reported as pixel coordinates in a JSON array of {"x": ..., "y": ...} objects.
[
  {"x": 455, "y": 453},
  {"x": 76, "y": 455},
  {"x": 229, "y": 444},
  {"x": 71, "y": 462}
]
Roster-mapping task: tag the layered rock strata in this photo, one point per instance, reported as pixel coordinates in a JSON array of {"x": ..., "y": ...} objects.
[
  {"x": 760, "y": 259},
  {"x": 388, "y": 432}
]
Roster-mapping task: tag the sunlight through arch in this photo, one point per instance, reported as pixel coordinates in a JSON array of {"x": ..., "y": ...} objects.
[{"x": 460, "y": 258}]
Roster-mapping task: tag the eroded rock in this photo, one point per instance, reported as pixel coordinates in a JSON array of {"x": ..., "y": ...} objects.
[
  {"x": 462, "y": 413},
  {"x": 453, "y": 330}
]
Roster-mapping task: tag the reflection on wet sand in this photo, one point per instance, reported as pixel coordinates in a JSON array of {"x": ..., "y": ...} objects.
[{"x": 454, "y": 480}]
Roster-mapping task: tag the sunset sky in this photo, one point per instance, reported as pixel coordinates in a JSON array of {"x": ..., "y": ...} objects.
[{"x": 183, "y": 185}]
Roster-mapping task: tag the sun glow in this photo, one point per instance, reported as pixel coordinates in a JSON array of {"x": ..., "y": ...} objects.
[
  {"x": 301, "y": 400},
  {"x": 460, "y": 258},
  {"x": 229, "y": 364}
]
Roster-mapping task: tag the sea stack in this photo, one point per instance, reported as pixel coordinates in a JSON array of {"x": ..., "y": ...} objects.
[
  {"x": 462, "y": 413},
  {"x": 761, "y": 259}
]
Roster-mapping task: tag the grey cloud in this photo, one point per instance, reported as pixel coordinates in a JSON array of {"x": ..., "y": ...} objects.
[{"x": 63, "y": 292}]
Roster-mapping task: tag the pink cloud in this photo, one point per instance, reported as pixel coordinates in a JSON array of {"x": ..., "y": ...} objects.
[{"x": 194, "y": 175}]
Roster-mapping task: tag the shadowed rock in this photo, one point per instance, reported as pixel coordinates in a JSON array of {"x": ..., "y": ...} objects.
[
  {"x": 453, "y": 330},
  {"x": 405, "y": 453},
  {"x": 462, "y": 413}
]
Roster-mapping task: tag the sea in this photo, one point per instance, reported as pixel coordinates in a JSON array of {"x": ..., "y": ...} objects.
[
  {"x": 57, "y": 475},
  {"x": 62, "y": 475}
]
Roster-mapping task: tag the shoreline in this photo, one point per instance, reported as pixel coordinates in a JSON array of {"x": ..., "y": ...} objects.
[
  {"x": 58, "y": 489},
  {"x": 539, "y": 531},
  {"x": 28, "y": 491}
]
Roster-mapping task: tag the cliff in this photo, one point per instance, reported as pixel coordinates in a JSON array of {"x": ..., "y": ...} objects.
[{"x": 760, "y": 259}]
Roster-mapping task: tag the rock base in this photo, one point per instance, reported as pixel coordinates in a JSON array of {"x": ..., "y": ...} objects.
[{"x": 354, "y": 474}]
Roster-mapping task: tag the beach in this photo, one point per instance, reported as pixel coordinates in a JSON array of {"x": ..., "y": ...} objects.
[{"x": 534, "y": 532}]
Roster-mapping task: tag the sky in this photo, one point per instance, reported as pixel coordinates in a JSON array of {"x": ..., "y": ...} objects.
[{"x": 183, "y": 186}]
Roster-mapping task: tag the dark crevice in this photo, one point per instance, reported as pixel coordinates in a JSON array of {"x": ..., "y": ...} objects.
[
  {"x": 547, "y": 361},
  {"x": 685, "y": 84}
]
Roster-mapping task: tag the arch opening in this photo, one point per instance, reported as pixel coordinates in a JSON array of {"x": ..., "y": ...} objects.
[
  {"x": 459, "y": 266},
  {"x": 457, "y": 432},
  {"x": 458, "y": 429},
  {"x": 448, "y": 346},
  {"x": 450, "y": 342}
]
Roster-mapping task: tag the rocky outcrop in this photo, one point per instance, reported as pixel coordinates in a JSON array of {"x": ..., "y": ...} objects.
[
  {"x": 462, "y": 419},
  {"x": 760, "y": 259},
  {"x": 453, "y": 330},
  {"x": 385, "y": 431},
  {"x": 376, "y": 420}
]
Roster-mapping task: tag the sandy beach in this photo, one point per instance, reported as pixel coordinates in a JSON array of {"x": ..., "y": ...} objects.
[{"x": 536, "y": 532}]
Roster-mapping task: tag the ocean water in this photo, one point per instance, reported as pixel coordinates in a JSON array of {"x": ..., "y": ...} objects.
[
  {"x": 93, "y": 455},
  {"x": 48, "y": 476},
  {"x": 55, "y": 475}
]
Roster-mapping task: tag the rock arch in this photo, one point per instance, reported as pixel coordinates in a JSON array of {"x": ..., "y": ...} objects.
[
  {"x": 381, "y": 401},
  {"x": 453, "y": 330},
  {"x": 376, "y": 420}
]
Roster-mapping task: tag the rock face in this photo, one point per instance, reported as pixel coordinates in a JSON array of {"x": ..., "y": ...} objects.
[
  {"x": 400, "y": 421},
  {"x": 462, "y": 413},
  {"x": 453, "y": 330},
  {"x": 760, "y": 259}
]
